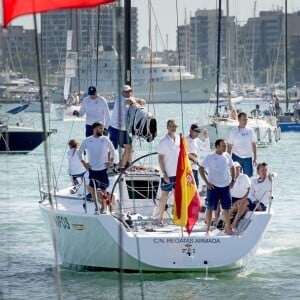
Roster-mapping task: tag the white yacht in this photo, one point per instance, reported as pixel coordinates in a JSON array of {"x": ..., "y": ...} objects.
[{"x": 149, "y": 74}]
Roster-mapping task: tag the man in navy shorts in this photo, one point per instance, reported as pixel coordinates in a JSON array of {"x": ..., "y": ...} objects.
[
  {"x": 98, "y": 146},
  {"x": 118, "y": 133},
  {"x": 168, "y": 151},
  {"x": 220, "y": 179}
]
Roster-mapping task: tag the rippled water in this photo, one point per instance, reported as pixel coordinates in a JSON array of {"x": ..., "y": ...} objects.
[{"x": 27, "y": 257}]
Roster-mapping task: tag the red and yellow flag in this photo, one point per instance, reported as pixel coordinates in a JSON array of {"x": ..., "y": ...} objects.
[
  {"x": 17, "y": 8},
  {"x": 187, "y": 199}
]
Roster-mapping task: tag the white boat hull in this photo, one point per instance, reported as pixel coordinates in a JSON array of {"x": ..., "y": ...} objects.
[
  {"x": 266, "y": 132},
  {"x": 99, "y": 241}
]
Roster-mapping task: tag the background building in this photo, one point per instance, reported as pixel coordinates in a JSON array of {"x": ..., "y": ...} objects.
[
  {"x": 199, "y": 50},
  {"x": 93, "y": 29}
]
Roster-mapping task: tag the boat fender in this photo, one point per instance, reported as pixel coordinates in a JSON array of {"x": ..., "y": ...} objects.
[
  {"x": 276, "y": 134},
  {"x": 270, "y": 135},
  {"x": 258, "y": 133}
]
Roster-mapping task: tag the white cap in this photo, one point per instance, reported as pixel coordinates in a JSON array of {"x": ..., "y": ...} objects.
[
  {"x": 236, "y": 164},
  {"x": 127, "y": 88}
]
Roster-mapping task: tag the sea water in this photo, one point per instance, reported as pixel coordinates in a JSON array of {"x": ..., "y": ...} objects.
[{"x": 27, "y": 266}]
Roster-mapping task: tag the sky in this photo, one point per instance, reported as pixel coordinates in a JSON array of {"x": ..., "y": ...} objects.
[{"x": 166, "y": 16}]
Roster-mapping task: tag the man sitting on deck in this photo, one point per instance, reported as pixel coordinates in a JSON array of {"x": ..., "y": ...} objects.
[{"x": 259, "y": 195}]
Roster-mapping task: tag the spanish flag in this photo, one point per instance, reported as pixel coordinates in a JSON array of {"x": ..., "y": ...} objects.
[
  {"x": 17, "y": 8},
  {"x": 187, "y": 199}
]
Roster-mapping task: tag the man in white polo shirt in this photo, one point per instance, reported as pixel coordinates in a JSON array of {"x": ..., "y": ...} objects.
[
  {"x": 168, "y": 151},
  {"x": 194, "y": 147},
  {"x": 219, "y": 182},
  {"x": 241, "y": 144},
  {"x": 260, "y": 193},
  {"x": 118, "y": 133},
  {"x": 101, "y": 154},
  {"x": 241, "y": 185},
  {"x": 96, "y": 109}
]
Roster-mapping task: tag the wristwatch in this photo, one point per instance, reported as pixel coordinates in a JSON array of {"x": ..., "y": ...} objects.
[{"x": 233, "y": 181}]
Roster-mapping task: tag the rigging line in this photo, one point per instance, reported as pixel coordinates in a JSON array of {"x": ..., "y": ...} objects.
[
  {"x": 97, "y": 48},
  {"x": 218, "y": 55},
  {"x": 161, "y": 37},
  {"x": 119, "y": 34},
  {"x": 179, "y": 62},
  {"x": 17, "y": 51},
  {"x": 151, "y": 55},
  {"x": 286, "y": 57},
  {"x": 47, "y": 162},
  {"x": 9, "y": 53},
  {"x": 77, "y": 50}
]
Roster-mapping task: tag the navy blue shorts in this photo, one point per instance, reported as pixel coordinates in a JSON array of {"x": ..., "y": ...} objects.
[
  {"x": 119, "y": 137},
  {"x": 216, "y": 194},
  {"x": 252, "y": 206},
  {"x": 88, "y": 130},
  {"x": 100, "y": 178},
  {"x": 234, "y": 199},
  {"x": 246, "y": 164},
  {"x": 167, "y": 187}
]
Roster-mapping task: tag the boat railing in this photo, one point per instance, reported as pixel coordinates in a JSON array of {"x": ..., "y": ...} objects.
[{"x": 247, "y": 220}]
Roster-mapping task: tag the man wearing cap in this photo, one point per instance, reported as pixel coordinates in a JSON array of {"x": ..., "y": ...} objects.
[
  {"x": 241, "y": 185},
  {"x": 96, "y": 109},
  {"x": 101, "y": 154},
  {"x": 194, "y": 146},
  {"x": 117, "y": 129}
]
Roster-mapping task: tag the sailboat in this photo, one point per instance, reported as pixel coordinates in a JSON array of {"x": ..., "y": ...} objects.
[
  {"x": 218, "y": 126},
  {"x": 128, "y": 237},
  {"x": 289, "y": 121},
  {"x": 17, "y": 137}
]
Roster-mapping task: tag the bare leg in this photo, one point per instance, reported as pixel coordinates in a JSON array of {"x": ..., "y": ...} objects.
[
  {"x": 227, "y": 221},
  {"x": 234, "y": 208},
  {"x": 92, "y": 191},
  {"x": 217, "y": 212},
  {"x": 126, "y": 155},
  {"x": 242, "y": 208},
  {"x": 208, "y": 220},
  {"x": 104, "y": 198},
  {"x": 162, "y": 204}
]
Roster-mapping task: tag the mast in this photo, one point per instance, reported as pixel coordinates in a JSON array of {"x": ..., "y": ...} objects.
[
  {"x": 286, "y": 59},
  {"x": 228, "y": 55},
  {"x": 127, "y": 35},
  {"x": 218, "y": 54},
  {"x": 253, "y": 42}
]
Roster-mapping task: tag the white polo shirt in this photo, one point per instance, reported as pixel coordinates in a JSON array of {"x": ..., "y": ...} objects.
[
  {"x": 218, "y": 167},
  {"x": 241, "y": 186},
  {"x": 96, "y": 110},
  {"x": 241, "y": 140},
  {"x": 75, "y": 165},
  {"x": 97, "y": 150},
  {"x": 118, "y": 117},
  {"x": 194, "y": 146},
  {"x": 169, "y": 148},
  {"x": 260, "y": 190}
]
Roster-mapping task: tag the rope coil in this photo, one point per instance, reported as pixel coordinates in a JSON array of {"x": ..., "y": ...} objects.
[{"x": 141, "y": 122}]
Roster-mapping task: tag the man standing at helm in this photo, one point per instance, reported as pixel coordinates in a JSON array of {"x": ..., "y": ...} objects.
[{"x": 117, "y": 129}]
